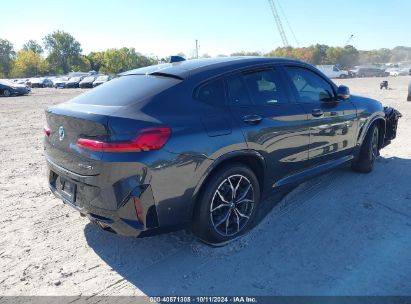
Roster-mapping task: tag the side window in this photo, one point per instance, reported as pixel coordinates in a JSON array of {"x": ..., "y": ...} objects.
[
  {"x": 237, "y": 93},
  {"x": 309, "y": 86},
  {"x": 212, "y": 93},
  {"x": 264, "y": 87}
]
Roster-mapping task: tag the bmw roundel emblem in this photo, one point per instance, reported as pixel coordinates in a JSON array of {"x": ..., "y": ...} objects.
[{"x": 61, "y": 133}]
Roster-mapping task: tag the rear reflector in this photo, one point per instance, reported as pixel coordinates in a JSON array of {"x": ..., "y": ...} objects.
[
  {"x": 146, "y": 140},
  {"x": 47, "y": 131},
  {"x": 139, "y": 210}
]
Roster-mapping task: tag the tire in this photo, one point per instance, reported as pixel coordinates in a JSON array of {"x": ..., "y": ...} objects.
[
  {"x": 343, "y": 76},
  {"x": 6, "y": 93},
  {"x": 218, "y": 218},
  {"x": 369, "y": 151}
]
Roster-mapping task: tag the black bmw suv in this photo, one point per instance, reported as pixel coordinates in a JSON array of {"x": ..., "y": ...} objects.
[{"x": 200, "y": 143}]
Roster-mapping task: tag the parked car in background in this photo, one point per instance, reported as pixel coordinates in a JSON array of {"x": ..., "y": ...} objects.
[
  {"x": 74, "y": 82},
  {"x": 26, "y": 82},
  {"x": 101, "y": 79},
  {"x": 60, "y": 82},
  {"x": 8, "y": 88},
  {"x": 371, "y": 72},
  {"x": 333, "y": 71},
  {"x": 200, "y": 143},
  {"x": 41, "y": 82},
  {"x": 393, "y": 71},
  {"x": 404, "y": 72},
  {"x": 409, "y": 92},
  {"x": 87, "y": 82}
]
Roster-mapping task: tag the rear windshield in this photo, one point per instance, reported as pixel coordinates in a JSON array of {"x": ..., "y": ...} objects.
[{"x": 126, "y": 90}]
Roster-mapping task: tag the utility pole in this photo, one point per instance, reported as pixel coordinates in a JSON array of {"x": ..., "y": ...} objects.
[{"x": 196, "y": 48}]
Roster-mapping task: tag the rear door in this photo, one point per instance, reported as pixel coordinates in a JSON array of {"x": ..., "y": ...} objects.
[
  {"x": 271, "y": 124},
  {"x": 332, "y": 122}
]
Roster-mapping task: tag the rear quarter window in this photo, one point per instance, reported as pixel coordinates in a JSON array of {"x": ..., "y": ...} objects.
[
  {"x": 212, "y": 93},
  {"x": 126, "y": 90}
]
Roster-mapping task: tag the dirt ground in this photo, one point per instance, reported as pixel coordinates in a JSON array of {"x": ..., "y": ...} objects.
[{"x": 343, "y": 233}]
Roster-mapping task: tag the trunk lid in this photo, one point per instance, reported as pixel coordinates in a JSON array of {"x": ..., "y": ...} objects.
[
  {"x": 68, "y": 123},
  {"x": 112, "y": 112}
]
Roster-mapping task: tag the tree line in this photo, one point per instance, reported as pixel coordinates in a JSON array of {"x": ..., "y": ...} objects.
[
  {"x": 347, "y": 56},
  {"x": 61, "y": 53}
]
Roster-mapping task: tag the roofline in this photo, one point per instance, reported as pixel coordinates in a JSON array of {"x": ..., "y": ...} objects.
[{"x": 185, "y": 69}]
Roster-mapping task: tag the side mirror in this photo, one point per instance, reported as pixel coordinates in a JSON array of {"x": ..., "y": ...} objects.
[{"x": 343, "y": 92}]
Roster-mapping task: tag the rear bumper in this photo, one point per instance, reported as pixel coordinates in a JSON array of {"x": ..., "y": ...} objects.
[
  {"x": 87, "y": 197},
  {"x": 72, "y": 85},
  {"x": 86, "y": 85}
]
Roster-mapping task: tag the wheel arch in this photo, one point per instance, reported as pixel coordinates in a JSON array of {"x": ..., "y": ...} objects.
[
  {"x": 252, "y": 159},
  {"x": 381, "y": 123}
]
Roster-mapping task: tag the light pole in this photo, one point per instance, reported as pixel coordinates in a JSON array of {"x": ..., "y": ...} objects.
[{"x": 196, "y": 48}]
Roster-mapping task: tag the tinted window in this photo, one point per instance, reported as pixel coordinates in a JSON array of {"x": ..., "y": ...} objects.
[
  {"x": 237, "y": 93},
  {"x": 126, "y": 90},
  {"x": 212, "y": 93},
  {"x": 309, "y": 86},
  {"x": 264, "y": 87}
]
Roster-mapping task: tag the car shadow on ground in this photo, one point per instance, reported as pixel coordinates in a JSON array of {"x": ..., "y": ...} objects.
[{"x": 342, "y": 233}]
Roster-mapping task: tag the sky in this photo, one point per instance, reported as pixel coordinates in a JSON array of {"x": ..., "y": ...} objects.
[{"x": 167, "y": 27}]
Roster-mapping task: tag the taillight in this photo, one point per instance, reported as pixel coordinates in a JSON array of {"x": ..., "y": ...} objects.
[
  {"x": 46, "y": 131},
  {"x": 146, "y": 140}
]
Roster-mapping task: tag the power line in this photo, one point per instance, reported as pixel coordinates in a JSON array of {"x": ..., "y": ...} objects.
[
  {"x": 278, "y": 23},
  {"x": 288, "y": 24}
]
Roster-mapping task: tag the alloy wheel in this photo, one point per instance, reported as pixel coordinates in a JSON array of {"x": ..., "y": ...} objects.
[{"x": 232, "y": 205}]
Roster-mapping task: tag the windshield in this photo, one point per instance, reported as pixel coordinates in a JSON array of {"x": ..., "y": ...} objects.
[
  {"x": 89, "y": 78},
  {"x": 61, "y": 79},
  {"x": 102, "y": 78},
  {"x": 75, "y": 79}
]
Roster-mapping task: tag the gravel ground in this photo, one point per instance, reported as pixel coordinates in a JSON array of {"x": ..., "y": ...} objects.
[{"x": 343, "y": 233}]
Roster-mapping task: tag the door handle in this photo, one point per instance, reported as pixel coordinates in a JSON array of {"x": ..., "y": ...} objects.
[
  {"x": 317, "y": 113},
  {"x": 333, "y": 113},
  {"x": 252, "y": 119}
]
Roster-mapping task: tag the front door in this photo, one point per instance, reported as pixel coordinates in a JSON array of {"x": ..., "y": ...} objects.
[
  {"x": 332, "y": 122},
  {"x": 276, "y": 128}
]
